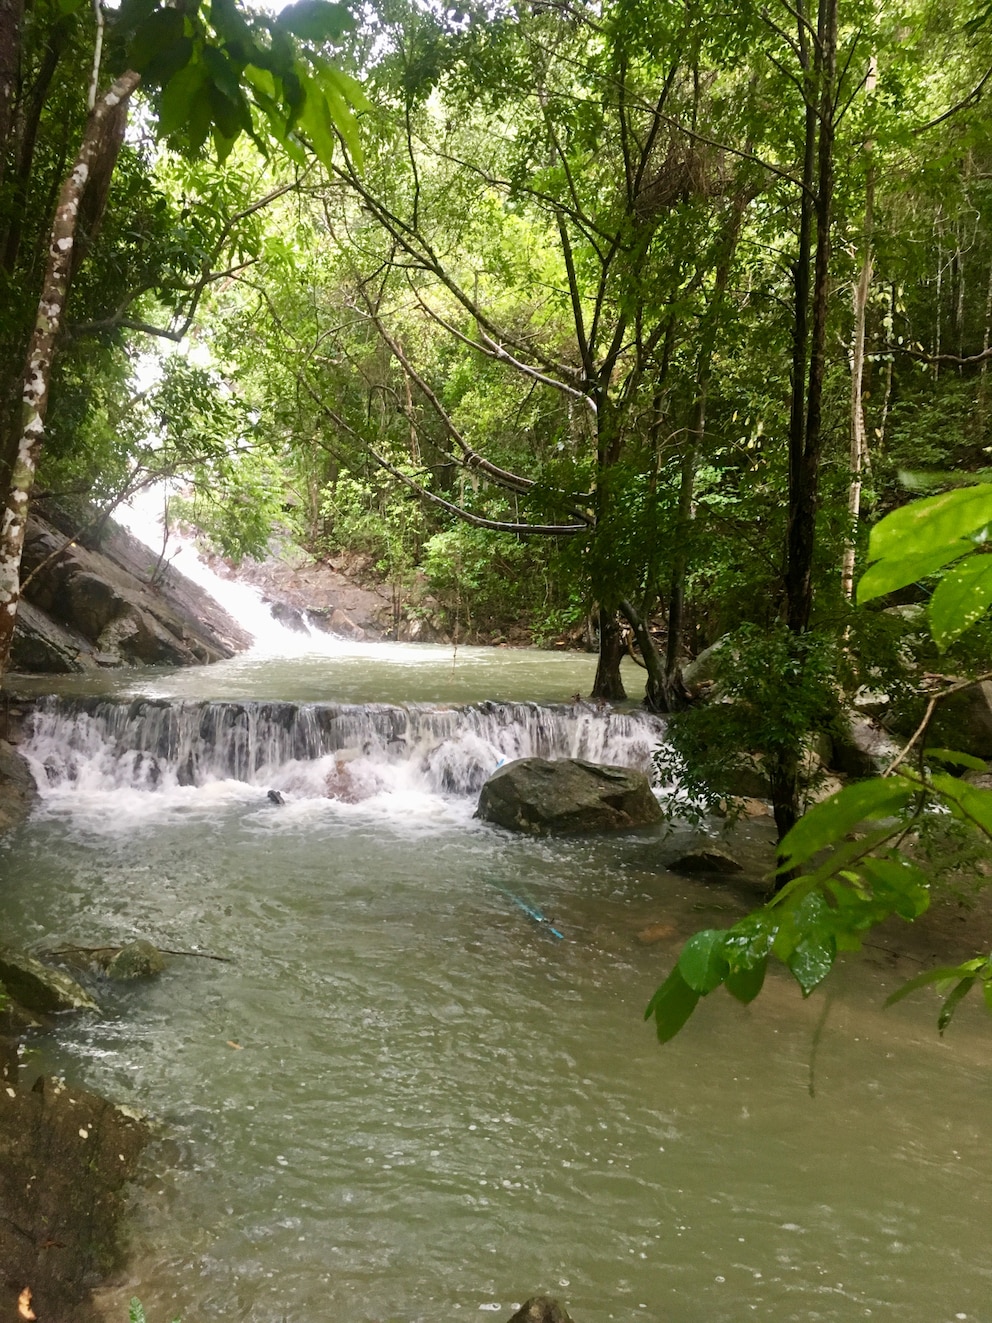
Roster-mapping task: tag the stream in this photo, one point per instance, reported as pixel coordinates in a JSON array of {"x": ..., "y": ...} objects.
[{"x": 400, "y": 1098}]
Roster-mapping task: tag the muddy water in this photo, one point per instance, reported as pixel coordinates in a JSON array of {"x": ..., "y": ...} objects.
[{"x": 402, "y": 1098}]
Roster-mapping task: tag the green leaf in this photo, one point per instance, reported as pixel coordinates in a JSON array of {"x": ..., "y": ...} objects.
[
  {"x": 903, "y": 887},
  {"x": 136, "y": 1311},
  {"x": 317, "y": 21},
  {"x": 812, "y": 961},
  {"x": 745, "y": 984},
  {"x": 229, "y": 22},
  {"x": 315, "y": 119},
  {"x": 153, "y": 36},
  {"x": 132, "y": 13},
  {"x": 671, "y": 1006},
  {"x": 962, "y": 597},
  {"x": 987, "y": 993},
  {"x": 938, "y": 522},
  {"x": 970, "y": 803},
  {"x": 956, "y": 759},
  {"x": 223, "y": 74},
  {"x": 922, "y": 981},
  {"x": 702, "y": 963},
  {"x": 178, "y": 98},
  {"x": 953, "y": 1001},
  {"x": 69, "y": 6},
  {"x": 829, "y": 821},
  {"x": 894, "y": 572}
]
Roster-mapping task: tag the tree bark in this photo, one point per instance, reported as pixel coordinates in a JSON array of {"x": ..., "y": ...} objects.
[
  {"x": 11, "y": 20},
  {"x": 810, "y": 342},
  {"x": 608, "y": 686},
  {"x": 42, "y": 347}
]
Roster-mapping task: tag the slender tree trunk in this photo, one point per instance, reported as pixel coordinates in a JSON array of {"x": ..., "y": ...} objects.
[
  {"x": 805, "y": 434},
  {"x": 656, "y": 696},
  {"x": 42, "y": 347},
  {"x": 859, "y": 437},
  {"x": 608, "y": 685},
  {"x": 11, "y": 20}
]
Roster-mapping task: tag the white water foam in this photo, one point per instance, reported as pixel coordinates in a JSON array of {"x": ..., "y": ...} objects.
[{"x": 91, "y": 756}]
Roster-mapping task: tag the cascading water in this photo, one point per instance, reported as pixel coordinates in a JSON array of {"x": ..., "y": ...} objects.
[{"x": 295, "y": 747}]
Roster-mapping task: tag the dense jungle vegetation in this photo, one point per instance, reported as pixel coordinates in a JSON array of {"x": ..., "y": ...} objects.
[{"x": 645, "y": 312}]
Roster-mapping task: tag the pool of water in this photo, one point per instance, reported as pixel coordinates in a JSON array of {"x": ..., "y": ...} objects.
[{"x": 399, "y": 1097}]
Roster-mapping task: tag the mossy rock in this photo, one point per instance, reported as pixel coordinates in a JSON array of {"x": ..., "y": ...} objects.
[
  {"x": 136, "y": 960},
  {"x": 40, "y": 989}
]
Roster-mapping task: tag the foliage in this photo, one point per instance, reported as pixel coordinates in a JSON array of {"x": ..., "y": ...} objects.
[
  {"x": 713, "y": 748},
  {"x": 863, "y": 829}
]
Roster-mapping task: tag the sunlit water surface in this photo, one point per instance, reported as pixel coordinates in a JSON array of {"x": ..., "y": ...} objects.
[{"x": 401, "y": 1098}]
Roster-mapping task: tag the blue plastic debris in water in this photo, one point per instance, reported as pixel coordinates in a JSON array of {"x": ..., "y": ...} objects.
[{"x": 531, "y": 910}]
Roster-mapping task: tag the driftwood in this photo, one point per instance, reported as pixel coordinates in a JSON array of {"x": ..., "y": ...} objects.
[{"x": 99, "y": 952}]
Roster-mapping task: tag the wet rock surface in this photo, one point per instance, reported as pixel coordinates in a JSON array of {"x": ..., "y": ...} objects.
[
  {"x": 40, "y": 989},
  {"x": 106, "y": 600},
  {"x": 66, "y": 1157},
  {"x": 540, "y": 796},
  {"x": 541, "y": 1309}
]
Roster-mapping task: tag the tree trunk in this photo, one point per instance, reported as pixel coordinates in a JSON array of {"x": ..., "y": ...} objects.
[
  {"x": 658, "y": 696},
  {"x": 859, "y": 436},
  {"x": 810, "y": 340},
  {"x": 608, "y": 685},
  {"x": 42, "y": 346},
  {"x": 11, "y": 20}
]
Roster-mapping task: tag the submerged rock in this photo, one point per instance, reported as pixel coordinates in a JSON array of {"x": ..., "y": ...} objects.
[
  {"x": 541, "y": 1309},
  {"x": 40, "y": 989},
  {"x": 707, "y": 859},
  {"x": 539, "y": 796},
  {"x": 136, "y": 960}
]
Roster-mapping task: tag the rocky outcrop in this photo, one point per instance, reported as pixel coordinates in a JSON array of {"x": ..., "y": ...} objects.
[
  {"x": 104, "y": 601},
  {"x": 40, "y": 989},
  {"x": 65, "y": 1159},
  {"x": 540, "y": 797},
  {"x": 17, "y": 788},
  {"x": 707, "y": 859}
]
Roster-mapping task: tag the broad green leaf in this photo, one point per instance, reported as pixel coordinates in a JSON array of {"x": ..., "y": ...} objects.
[
  {"x": 132, "y": 13},
  {"x": 938, "y": 522},
  {"x": 894, "y": 572},
  {"x": 317, "y": 21},
  {"x": 154, "y": 36},
  {"x": 812, "y": 961},
  {"x": 69, "y": 6},
  {"x": 671, "y": 1006},
  {"x": 315, "y": 119},
  {"x": 953, "y": 1001},
  {"x": 178, "y": 98},
  {"x": 828, "y": 822},
  {"x": 136, "y": 1311},
  {"x": 987, "y": 993},
  {"x": 229, "y": 22},
  {"x": 223, "y": 74},
  {"x": 904, "y": 887},
  {"x": 962, "y": 597},
  {"x": 956, "y": 759},
  {"x": 972, "y": 803},
  {"x": 745, "y": 984},
  {"x": 702, "y": 963}
]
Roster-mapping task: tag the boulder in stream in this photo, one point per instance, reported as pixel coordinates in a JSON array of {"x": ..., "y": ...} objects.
[
  {"x": 139, "y": 959},
  {"x": 40, "y": 989},
  {"x": 707, "y": 859},
  {"x": 541, "y": 1309},
  {"x": 540, "y": 796}
]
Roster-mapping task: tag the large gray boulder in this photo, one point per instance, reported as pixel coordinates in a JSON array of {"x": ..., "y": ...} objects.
[
  {"x": 105, "y": 600},
  {"x": 40, "y": 989},
  {"x": 538, "y": 796}
]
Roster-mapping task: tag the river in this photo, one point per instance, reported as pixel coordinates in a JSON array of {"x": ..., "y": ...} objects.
[{"x": 400, "y": 1097}]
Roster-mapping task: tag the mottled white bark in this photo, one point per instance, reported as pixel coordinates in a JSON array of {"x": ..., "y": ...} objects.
[{"x": 41, "y": 352}]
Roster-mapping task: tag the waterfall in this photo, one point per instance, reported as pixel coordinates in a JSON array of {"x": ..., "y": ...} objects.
[{"x": 316, "y": 749}]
